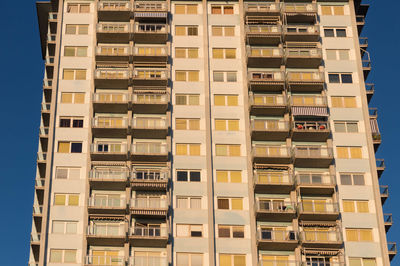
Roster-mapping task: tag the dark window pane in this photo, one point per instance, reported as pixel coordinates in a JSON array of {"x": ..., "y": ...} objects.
[
  {"x": 340, "y": 33},
  {"x": 194, "y": 176},
  {"x": 345, "y": 179},
  {"x": 347, "y": 78},
  {"x": 238, "y": 232},
  {"x": 334, "y": 78},
  {"x": 329, "y": 33},
  {"x": 76, "y": 147},
  {"x": 223, "y": 204},
  {"x": 224, "y": 232},
  {"x": 65, "y": 122},
  {"x": 358, "y": 180},
  {"x": 77, "y": 123},
  {"x": 195, "y": 234},
  {"x": 182, "y": 176}
]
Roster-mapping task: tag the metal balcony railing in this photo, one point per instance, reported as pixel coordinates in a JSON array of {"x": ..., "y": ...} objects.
[
  {"x": 267, "y": 100},
  {"x": 114, "y": 6},
  {"x": 150, "y": 74},
  {"x": 150, "y": 6},
  {"x": 303, "y": 52},
  {"x": 315, "y": 179},
  {"x": 301, "y": 29},
  {"x": 148, "y": 261},
  {"x": 110, "y": 97},
  {"x": 318, "y": 207},
  {"x": 315, "y": 151},
  {"x": 150, "y": 98},
  {"x": 40, "y": 182},
  {"x": 270, "y": 76},
  {"x": 363, "y": 41},
  {"x": 52, "y": 16},
  {"x": 108, "y": 148},
  {"x": 149, "y": 232},
  {"x": 50, "y": 60},
  {"x": 149, "y": 148},
  {"x": 47, "y": 83},
  {"x": 51, "y": 37},
  {"x": 44, "y": 131},
  {"x": 37, "y": 209},
  {"x": 106, "y": 230},
  {"x": 110, "y": 122},
  {"x": 276, "y": 235},
  {"x": 46, "y": 107},
  {"x": 149, "y": 175},
  {"x": 106, "y": 202},
  {"x": 264, "y": 52},
  {"x": 150, "y": 51},
  {"x": 392, "y": 247},
  {"x": 384, "y": 190},
  {"x": 305, "y": 76},
  {"x": 150, "y": 28},
  {"x": 112, "y": 174},
  {"x": 42, "y": 156},
  {"x": 149, "y": 203},
  {"x": 35, "y": 237},
  {"x": 110, "y": 74},
  {"x": 380, "y": 163},
  {"x": 310, "y": 126},
  {"x": 275, "y": 206},
  {"x": 105, "y": 260},
  {"x": 320, "y": 236},
  {"x": 272, "y": 178},
  {"x": 308, "y": 100},
  {"x": 299, "y": 7},
  {"x": 388, "y": 218},
  {"x": 262, "y": 7},
  {"x": 261, "y": 150},
  {"x": 149, "y": 123},
  {"x": 113, "y": 28},
  {"x": 360, "y": 19},
  {"x": 278, "y": 263},
  {"x": 108, "y": 50},
  {"x": 269, "y": 125},
  {"x": 263, "y": 29}
]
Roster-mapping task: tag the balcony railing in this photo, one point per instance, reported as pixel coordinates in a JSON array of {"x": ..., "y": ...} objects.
[
  {"x": 301, "y": 29},
  {"x": 299, "y": 7},
  {"x": 392, "y": 247},
  {"x": 373, "y": 112},
  {"x": 150, "y": 51},
  {"x": 108, "y": 148},
  {"x": 149, "y": 175},
  {"x": 110, "y": 97},
  {"x": 42, "y": 156},
  {"x": 305, "y": 77},
  {"x": 264, "y": 52},
  {"x": 105, "y": 260},
  {"x": 46, "y": 107},
  {"x": 37, "y": 210},
  {"x": 114, "y": 6},
  {"x": 149, "y": 148},
  {"x": 104, "y": 202},
  {"x": 149, "y": 232},
  {"x": 52, "y": 16},
  {"x": 261, "y": 150},
  {"x": 113, "y": 28},
  {"x": 269, "y": 125},
  {"x": 320, "y": 236},
  {"x": 370, "y": 88},
  {"x": 150, "y": 6},
  {"x": 112, "y": 74},
  {"x": 312, "y": 152},
  {"x": 310, "y": 126},
  {"x": 112, "y": 174},
  {"x": 110, "y": 122},
  {"x": 106, "y": 230},
  {"x": 50, "y": 60},
  {"x": 51, "y": 37},
  {"x": 273, "y": 76},
  {"x": 380, "y": 163},
  {"x": 384, "y": 190},
  {"x": 147, "y": 261},
  {"x": 47, "y": 83},
  {"x": 113, "y": 50},
  {"x": 303, "y": 100},
  {"x": 149, "y": 123},
  {"x": 44, "y": 131},
  {"x": 272, "y": 178},
  {"x": 35, "y": 237},
  {"x": 150, "y": 74},
  {"x": 262, "y": 7},
  {"x": 39, "y": 182},
  {"x": 278, "y": 263},
  {"x": 275, "y": 206},
  {"x": 303, "y": 53},
  {"x": 150, "y": 98},
  {"x": 315, "y": 179},
  {"x": 264, "y": 29},
  {"x": 150, "y": 28},
  {"x": 318, "y": 207},
  {"x": 149, "y": 203},
  {"x": 363, "y": 41},
  {"x": 276, "y": 235},
  {"x": 267, "y": 100},
  {"x": 360, "y": 20}
]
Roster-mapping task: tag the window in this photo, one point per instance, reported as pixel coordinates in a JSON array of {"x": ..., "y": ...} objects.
[
  {"x": 227, "y": 124},
  {"x": 187, "y": 124},
  {"x": 226, "y": 100},
  {"x": 187, "y": 99},
  {"x": 232, "y": 260},
  {"x": 78, "y": 8},
  {"x": 344, "y": 101},
  {"x": 228, "y": 176},
  {"x": 63, "y": 255},
  {"x": 344, "y": 78},
  {"x": 224, "y": 53},
  {"x": 359, "y": 235},
  {"x": 227, "y": 31},
  {"x": 355, "y": 206},
  {"x": 231, "y": 231},
  {"x": 66, "y": 199},
  {"x": 72, "y": 97},
  {"x": 230, "y": 203},
  {"x": 332, "y": 10},
  {"x": 189, "y": 76},
  {"x": 78, "y": 51},
  {"x": 188, "y": 202},
  {"x": 337, "y": 54},
  {"x": 222, "y": 9},
  {"x": 349, "y": 152},
  {"x": 346, "y": 126},
  {"x": 191, "y": 149},
  {"x": 68, "y": 172},
  {"x": 186, "y": 31},
  {"x": 187, "y": 230},
  {"x": 362, "y": 262},
  {"x": 69, "y": 147},
  {"x": 185, "y": 9},
  {"x": 225, "y": 76},
  {"x": 335, "y": 32},
  {"x": 74, "y": 74},
  {"x": 77, "y": 29},
  {"x": 188, "y": 175},
  {"x": 349, "y": 179},
  {"x": 186, "y": 52},
  {"x": 71, "y": 121},
  {"x": 64, "y": 227},
  {"x": 227, "y": 149},
  {"x": 189, "y": 259}
]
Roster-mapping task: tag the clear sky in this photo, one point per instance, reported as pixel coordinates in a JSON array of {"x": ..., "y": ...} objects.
[{"x": 21, "y": 79}]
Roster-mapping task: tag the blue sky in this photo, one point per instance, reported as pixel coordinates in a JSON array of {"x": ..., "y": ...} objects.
[{"x": 21, "y": 78}]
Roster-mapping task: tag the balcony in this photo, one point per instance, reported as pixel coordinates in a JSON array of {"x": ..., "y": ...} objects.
[
  {"x": 384, "y": 192},
  {"x": 279, "y": 263},
  {"x": 150, "y": 54},
  {"x": 373, "y": 112},
  {"x": 46, "y": 107},
  {"x": 308, "y": 101},
  {"x": 316, "y": 183},
  {"x": 267, "y": 81},
  {"x": 303, "y": 57},
  {"x": 102, "y": 204},
  {"x": 305, "y": 81},
  {"x": 105, "y": 260},
  {"x": 108, "y": 151},
  {"x": 268, "y": 104},
  {"x": 300, "y": 12},
  {"x": 275, "y": 210},
  {"x": 262, "y": 9},
  {"x": 388, "y": 221},
  {"x": 366, "y": 65},
  {"x": 150, "y": 179},
  {"x": 37, "y": 211},
  {"x": 49, "y": 64},
  {"x": 150, "y": 77},
  {"x": 111, "y": 78},
  {"x": 146, "y": 102},
  {"x": 113, "y": 53},
  {"x": 363, "y": 44},
  {"x": 147, "y": 261},
  {"x": 149, "y": 151},
  {"x": 47, "y": 84},
  {"x": 264, "y": 56},
  {"x": 310, "y": 130},
  {"x": 272, "y": 181},
  {"x": 312, "y": 156},
  {"x": 268, "y": 129},
  {"x": 360, "y": 21},
  {"x": 369, "y": 90},
  {"x": 149, "y": 207},
  {"x": 301, "y": 33},
  {"x": 149, "y": 236},
  {"x": 105, "y": 102},
  {"x": 51, "y": 39},
  {"x": 44, "y": 132},
  {"x": 41, "y": 157},
  {"x": 150, "y": 127},
  {"x": 106, "y": 233},
  {"x": 108, "y": 178},
  {"x": 273, "y": 239},
  {"x": 35, "y": 239},
  {"x": 158, "y": 8},
  {"x": 150, "y": 33},
  {"x": 318, "y": 210},
  {"x": 113, "y": 32},
  {"x": 321, "y": 238},
  {"x": 392, "y": 250},
  {"x": 271, "y": 154},
  {"x": 380, "y": 167},
  {"x": 114, "y": 11},
  {"x": 263, "y": 34},
  {"x": 40, "y": 183},
  {"x": 107, "y": 126}
]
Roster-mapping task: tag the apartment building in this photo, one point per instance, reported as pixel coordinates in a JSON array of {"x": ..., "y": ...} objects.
[{"x": 194, "y": 133}]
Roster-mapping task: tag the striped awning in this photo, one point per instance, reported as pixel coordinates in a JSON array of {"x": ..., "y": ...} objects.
[
  {"x": 107, "y": 218},
  {"x": 108, "y": 164},
  {"x": 309, "y": 111},
  {"x": 269, "y": 166},
  {"x": 151, "y": 14},
  {"x": 150, "y": 91},
  {"x": 321, "y": 252},
  {"x": 374, "y": 126},
  {"x": 318, "y": 224}
]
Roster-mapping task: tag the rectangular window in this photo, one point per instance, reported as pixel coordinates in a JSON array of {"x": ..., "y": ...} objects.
[
  {"x": 227, "y": 124},
  {"x": 187, "y": 124},
  {"x": 346, "y": 126},
  {"x": 64, "y": 227},
  {"x": 189, "y": 230},
  {"x": 228, "y": 176},
  {"x": 224, "y": 53},
  {"x": 78, "y": 8},
  {"x": 362, "y": 262},
  {"x": 225, "y": 76},
  {"x": 188, "y": 76},
  {"x": 335, "y": 32},
  {"x": 227, "y": 31},
  {"x": 344, "y": 101},
  {"x": 356, "y": 179},
  {"x": 226, "y": 100},
  {"x": 344, "y": 78},
  {"x": 77, "y": 29},
  {"x": 332, "y": 10},
  {"x": 69, "y": 147},
  {"x": 227, "y": 149},
  {"x": 233, "y": 260},
  {"x": 68, "y": 172},
  {"x": 189, "y": 259},
  {"x": 349, "y": 152},
  {"x": 187, "y": 9},
  {"x": 359, "y": 235},
  {"x": 188, "y": 202},
  {"x": 189, "y": 149},
  {"x": 356, "y": 206},
  {"x": 63, "y": 255},
  {"x": 186, "y": 31},
  {"x": 187, "y": 99},
  {"x": 66, "y": 199},
  {"x": 230, "y": 203},
  {"x": 73, "y": 97},
  {"x": 186, "y": 52},
  {"x": 231, "y": 231},
  {"x": 188, "y": 175},
  {"x": 222, "y": 9},
  {"x": 76, "y": 122},
  {"x": 78, "y": 51},
  {"x": 74, "y": 74},
  {"x": 337, "y": 54}
]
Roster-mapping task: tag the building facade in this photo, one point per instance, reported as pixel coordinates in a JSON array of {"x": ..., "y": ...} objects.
[{"x": 196, "y": 133}]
